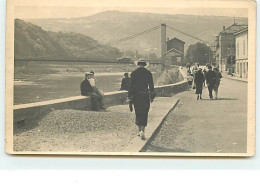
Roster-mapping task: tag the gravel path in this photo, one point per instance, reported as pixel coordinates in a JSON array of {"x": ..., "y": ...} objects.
[{"x": 78, "y": 131}]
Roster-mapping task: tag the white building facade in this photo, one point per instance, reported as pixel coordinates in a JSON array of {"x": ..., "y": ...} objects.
[{"x": 241, "y": 39}]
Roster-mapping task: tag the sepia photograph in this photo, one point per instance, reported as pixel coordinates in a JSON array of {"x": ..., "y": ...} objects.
[{"x": 137, "y": 78}]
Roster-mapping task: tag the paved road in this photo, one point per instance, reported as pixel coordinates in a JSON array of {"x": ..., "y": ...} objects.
[{"x": 206, "y": 126}]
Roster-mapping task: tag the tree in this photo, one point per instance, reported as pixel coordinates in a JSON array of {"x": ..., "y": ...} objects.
[
  {"x": 200, "y": 53},
  {"x": 231, "y": 58}
]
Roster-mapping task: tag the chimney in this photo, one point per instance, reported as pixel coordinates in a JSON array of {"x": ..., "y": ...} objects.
[
  {"x": 163, "y": 43},
  {"x": 224, "y": 28},
  {"x": 163, "y": 39},
  {"x": 217, "y": 41}
]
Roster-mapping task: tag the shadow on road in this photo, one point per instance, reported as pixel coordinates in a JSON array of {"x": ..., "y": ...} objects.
[
  {"x": 227, "y": 99},
  {"x": 220, "y": 99},
  {"x": 153, "y": 148}
]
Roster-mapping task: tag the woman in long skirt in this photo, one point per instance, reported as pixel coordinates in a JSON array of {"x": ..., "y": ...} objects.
[
  {"x": 141, "y": 93},
  {"x": 199, "y": 80}
]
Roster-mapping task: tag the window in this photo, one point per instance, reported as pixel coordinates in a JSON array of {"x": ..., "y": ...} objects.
[
  {"x": 244, "y": 46},
  {"x": 238, "y": 49}
]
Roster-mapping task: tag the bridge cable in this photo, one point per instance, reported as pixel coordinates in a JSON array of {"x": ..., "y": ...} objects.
[
  {"x": 128, "y": 38},
  {"x": 133, "y": 36},
  {"x": 170, "y": 27}
]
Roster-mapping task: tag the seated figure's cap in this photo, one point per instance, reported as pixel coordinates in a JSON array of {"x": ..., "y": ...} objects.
[{"x": 88, "y": 73}]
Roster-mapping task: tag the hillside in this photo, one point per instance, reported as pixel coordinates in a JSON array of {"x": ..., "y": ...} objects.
[
  {"x": 113, "y": 25},
  {"x": 33, "y": 42}
]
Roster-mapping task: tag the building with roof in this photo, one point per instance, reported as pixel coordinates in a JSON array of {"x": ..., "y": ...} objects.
[
  {"x": 174, "y": 52},
  {"x": 241, "y": 40},
  {"x": 226, "y": 48}
]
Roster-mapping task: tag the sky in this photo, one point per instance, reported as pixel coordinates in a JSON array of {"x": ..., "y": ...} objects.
[{"x": 28, "y": 12}]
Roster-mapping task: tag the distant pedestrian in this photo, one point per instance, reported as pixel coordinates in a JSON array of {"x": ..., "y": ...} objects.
[
  {"x": 189, "y": 72},
  {"x": 194, "y": 71},
  {"x": 195, "y": 68},
  {"x": 199, "y": 80},
  {"x": 211, "y": 81},
  {"x": 125, "y": 84},
  {"x": 141, "y": 94},
  {"x": 190, "y": 80},
  {"x": 204, "y": 73},
  {"x": 88, "y": 90},
  {"x": 218, "y": 78}
]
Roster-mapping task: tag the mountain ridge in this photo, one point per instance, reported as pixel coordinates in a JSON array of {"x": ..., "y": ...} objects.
[
  {"x": 33, "y": 42},
  {"x": 110, "y": 26}
]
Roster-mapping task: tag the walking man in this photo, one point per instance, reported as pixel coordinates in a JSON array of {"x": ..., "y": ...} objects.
[
  {"x": 141, "y": 93},
  {"x": 218, "y": 78},
  {"x": 211, "y": 81}
]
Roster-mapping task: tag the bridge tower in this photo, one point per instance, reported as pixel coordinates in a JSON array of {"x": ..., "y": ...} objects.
[{"x": 163, "y": 43}]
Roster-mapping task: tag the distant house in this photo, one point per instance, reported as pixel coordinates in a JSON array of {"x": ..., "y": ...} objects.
[
  {"x": 241, "y": 38},
  {"x": 225, "y": 46},
  {"x": 174, "y": 52}
]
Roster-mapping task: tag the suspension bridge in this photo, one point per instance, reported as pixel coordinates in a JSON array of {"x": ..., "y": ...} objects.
[{"x": 160, "y": 60}]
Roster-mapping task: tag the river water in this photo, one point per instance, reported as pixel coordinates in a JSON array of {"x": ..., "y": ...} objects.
[{"x": 41, "y": 81}]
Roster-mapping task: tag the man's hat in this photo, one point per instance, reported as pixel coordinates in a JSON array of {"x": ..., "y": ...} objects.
[{"x": 142, "y": 62}]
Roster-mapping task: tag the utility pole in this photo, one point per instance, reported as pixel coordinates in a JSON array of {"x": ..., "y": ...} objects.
[
  {"x": 231, "y": 55},
  {"x": 163, "y": 43}
]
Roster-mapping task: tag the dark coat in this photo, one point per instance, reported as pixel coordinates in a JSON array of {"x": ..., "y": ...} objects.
[
  {"x": 211, "y": 77},
  {"x": 218, "y": 77},
  {"x": 125, "y": 85},
  {"x": 141, "y": 92},
  {"x": 85, "y": 88},
  {"x": 199, "y": 80},
  {"x": 141, "y": 79}
]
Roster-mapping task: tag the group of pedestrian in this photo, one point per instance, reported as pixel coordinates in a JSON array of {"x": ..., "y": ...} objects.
[
  {"x": 140, "y": 89},
  {"x": 212, "y": 78}
]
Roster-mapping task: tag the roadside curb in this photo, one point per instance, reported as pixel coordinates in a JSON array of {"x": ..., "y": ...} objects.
[
  {"x": 237, "y": 79},
  {"x": 160, "y": 124},
  {"x": 136, "y": 145}
]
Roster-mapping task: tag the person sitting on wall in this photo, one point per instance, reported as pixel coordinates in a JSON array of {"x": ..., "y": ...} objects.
[
  {"x": 87, "y": 90},
  {"x": 125, "y": 84},
  {"x": 92, "y": 81}
]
